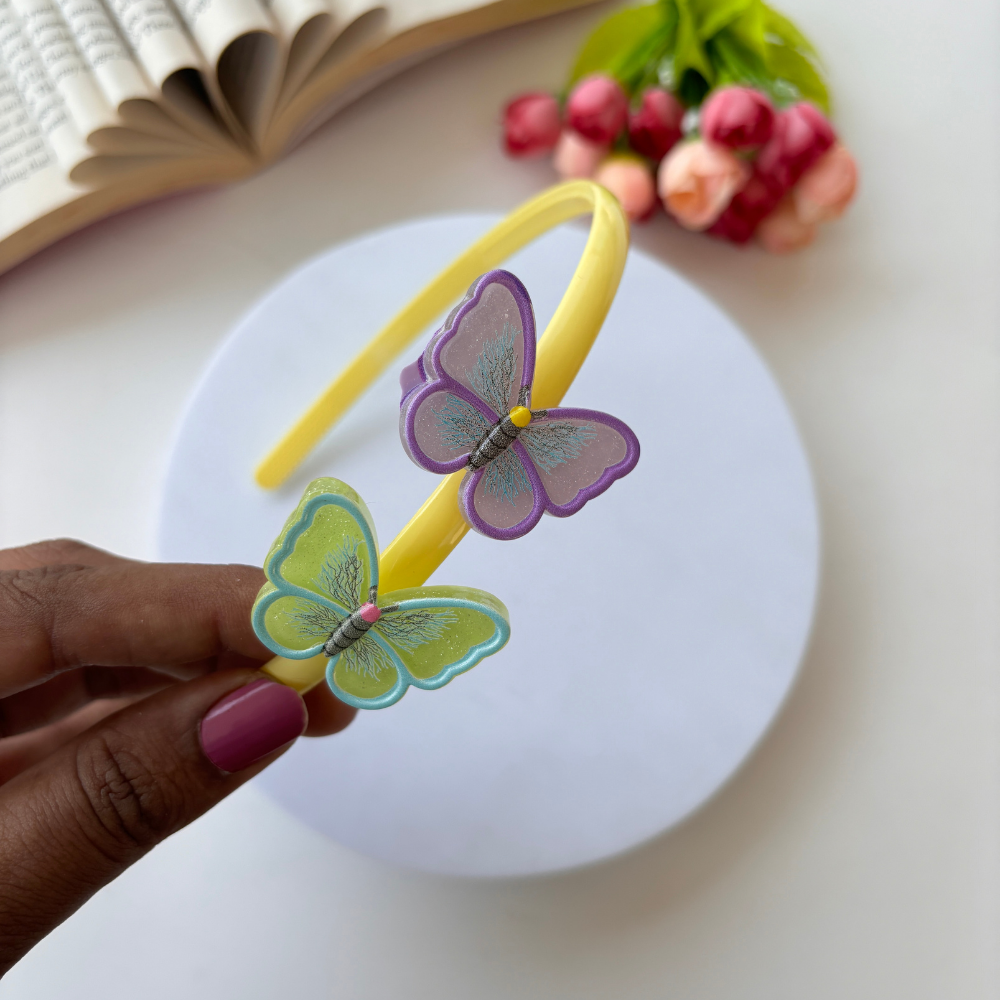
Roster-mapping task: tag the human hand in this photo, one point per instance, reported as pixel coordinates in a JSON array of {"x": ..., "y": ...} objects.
[{"x": 130, "y": 704}]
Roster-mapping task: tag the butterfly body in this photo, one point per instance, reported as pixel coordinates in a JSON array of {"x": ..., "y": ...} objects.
[
  {"x": 499, "y": 437},
  {"x": 352, "y": 628},
  {"x": 466, "y": 405},
  {"x": 322, "y": 598}
]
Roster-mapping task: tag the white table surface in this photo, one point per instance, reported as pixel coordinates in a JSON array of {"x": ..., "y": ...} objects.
[{"x": 856, "y": 855}]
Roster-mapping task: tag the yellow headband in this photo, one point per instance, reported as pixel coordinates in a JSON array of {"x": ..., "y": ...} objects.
[{"x": 437, "y": 527}]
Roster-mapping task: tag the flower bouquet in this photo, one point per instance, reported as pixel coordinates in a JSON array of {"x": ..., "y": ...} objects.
[{"x": 716, "y": 108}]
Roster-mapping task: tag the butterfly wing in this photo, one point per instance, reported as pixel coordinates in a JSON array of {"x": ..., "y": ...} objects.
[
  {"x": 430, "y": 635},
  {"x": 576, "y": 455},
  {"x": 504, "y": 499},
  {"x": 488, "y": 342},
  {"x": 475, "y": 369},
  {"x": 439, "y": 632},
  {"x": 368, "y": 674},
  {"x": 442, "y": 424},
  {"x": 321, "y": 567}
]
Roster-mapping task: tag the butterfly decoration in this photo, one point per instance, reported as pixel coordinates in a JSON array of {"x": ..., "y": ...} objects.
[
  {"x": 321, "y": 597},
  {"x": 466, "y": 405}
]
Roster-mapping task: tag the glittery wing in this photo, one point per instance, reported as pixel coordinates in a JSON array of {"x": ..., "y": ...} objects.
[
  {"x": 488, "y": 345},
  {"x": 441, "y": 425},
  {"x": 368, "y": 674},
  {"x": 429, "y": 634},
  {"x": 322, "y": 566},
  {"x": 504, "y": 499},
  {"x": 577, "y": 454},
  {"x": 474, "y": 370}
]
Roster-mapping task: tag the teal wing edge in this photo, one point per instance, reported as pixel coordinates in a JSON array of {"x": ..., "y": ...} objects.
[
  {"x": 478, "y": 602},
  {"x": 319, "y": 493},
  {"x": 384, "y": 700}
]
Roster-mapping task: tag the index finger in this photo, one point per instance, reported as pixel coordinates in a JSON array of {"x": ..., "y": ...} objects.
[
  {"x": 125, "y": 614},
  {"x": 56, "y": 552}
]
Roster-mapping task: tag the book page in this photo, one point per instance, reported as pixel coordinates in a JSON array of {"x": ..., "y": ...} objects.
[
  {"x": 360, "y": 27},
  {"x": 249, "y": 76},
  {"x": 32, "y": 181},
  {"x": 311, "y": 26},
  {"x": 216, "y": 24},
  {"x": 156, "y": 36},
  {"x": 23, "y": 149},
  {"x": 118, "y": 75},
  {"x": 65, "y": 66},
  {"x": 95, "y": 119},
  {"x": 245, "y": 45},
  {"x": 381, "y": 41},
  {"x": 126, "y": 89},
  {"x": 315, "y": 26},
  {"x": 43, "y": 103},
  {"x": 173, "y": 65}
]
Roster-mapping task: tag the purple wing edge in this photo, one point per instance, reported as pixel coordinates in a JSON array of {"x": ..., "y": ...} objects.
[
  {"x": 610, "y": 474},
  {"x": 407, "y": 418},
  {"x": 417, "y": 383},
  {"x": 540, "y": 501},
  {"x": 513, "y": 284},
  {"x": 542, "y": 504}
]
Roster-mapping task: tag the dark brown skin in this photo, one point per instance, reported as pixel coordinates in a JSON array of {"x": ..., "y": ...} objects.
[{"x": 107, "y": 666}]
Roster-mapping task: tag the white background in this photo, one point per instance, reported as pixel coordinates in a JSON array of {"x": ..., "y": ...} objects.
[{"x": 856, "y": 854}]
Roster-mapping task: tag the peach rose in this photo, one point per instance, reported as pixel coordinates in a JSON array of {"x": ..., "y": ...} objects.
[
  {"x": 783, "y": 231},
  {"x": 576, "y": 156},
  {"x": 630, "y": 181},
  {"x": 827, "y": 187},
  {"x": 698, "y": 180}
]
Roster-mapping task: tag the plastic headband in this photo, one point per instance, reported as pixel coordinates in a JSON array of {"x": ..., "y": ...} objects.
[{"x": 437, "y": 527}]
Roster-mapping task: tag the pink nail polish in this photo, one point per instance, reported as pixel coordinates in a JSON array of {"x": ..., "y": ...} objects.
[{"x": 251, "y": 722}]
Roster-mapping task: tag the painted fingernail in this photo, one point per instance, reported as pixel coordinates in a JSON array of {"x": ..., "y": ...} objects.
[{"x": 250, "y": 723}]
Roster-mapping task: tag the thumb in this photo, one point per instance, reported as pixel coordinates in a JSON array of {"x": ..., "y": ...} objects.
[{"x": 72, "y": 823}]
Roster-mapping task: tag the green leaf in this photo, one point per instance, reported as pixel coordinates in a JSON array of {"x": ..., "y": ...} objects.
[
  {"x": 788, "y": 64},
  {"x": 714, "y": 15},
  {"x": 736, "y": 62},
  {"x": 691, "y": 46},
  {"x": 748, "y": 29},
  {"x": 638, "y": 68},
  {"x": 688, "y": 51},
  {"x": 779, "y": 25},
  {"x": 616, "y": 38}
]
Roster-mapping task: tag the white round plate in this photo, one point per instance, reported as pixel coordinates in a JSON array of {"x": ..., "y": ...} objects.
[{"x": 654, "y": 634}]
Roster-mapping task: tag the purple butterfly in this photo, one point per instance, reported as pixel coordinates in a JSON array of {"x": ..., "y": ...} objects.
[{"x": 466, "y": 405}]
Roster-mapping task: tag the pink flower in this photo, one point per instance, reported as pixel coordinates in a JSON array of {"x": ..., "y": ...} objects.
[
  {"x": 531, "y": 124},
  {"x": 737, "y": 118},
  {"x": 597, "y": 109},
  {"x": 801, "y": 136},
  {"x": 576, "y": 157},
  {"x": 827, "y": 187},
  {"x": 630, "y": 181},
  {"x": 731, "y": 226},
  {"x": 783, "y": 231},
  {"x": 697, "y": 180},
  {"x": 655, "y": 128},
  {"x": 754, "y": 202}
]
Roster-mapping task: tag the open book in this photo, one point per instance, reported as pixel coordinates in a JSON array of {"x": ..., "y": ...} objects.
[{"x": 104, "y": 103}]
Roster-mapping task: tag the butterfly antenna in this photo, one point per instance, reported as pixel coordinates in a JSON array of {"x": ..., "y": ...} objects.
[{"x": 373, "y": 594}]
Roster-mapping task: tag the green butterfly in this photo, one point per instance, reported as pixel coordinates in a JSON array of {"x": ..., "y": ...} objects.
[{"x": 322, "y": 597}]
